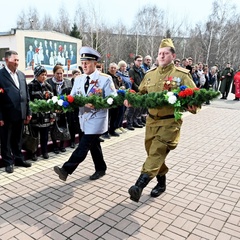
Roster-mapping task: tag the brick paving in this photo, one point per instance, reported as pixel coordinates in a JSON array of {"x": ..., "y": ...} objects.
[{"x": 201, "y": 200}]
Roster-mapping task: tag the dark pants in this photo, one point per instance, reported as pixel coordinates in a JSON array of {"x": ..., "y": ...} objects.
[
  {"x": 86, "y": 142},
  {"x": 133, "y": 115},
  {"x": 121, "y": 112},
  {"x": 73, "y": 124},
  {"x": 11, "y": 142},
  {"x": 43, "y": 137},
  {"x": 113, "y": 115}
]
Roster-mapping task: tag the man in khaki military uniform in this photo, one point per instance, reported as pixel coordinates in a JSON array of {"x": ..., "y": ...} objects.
[{"x": 162, "y": 130}]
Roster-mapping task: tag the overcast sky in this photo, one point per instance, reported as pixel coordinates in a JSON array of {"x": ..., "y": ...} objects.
[{"x": 111, "y": 10}]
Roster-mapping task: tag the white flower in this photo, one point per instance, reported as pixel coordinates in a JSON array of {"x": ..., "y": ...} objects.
[
  {"x": 172, "y": 99},
  {"x": 110, "y": 101},
  {"x": 170, "y": 94},
  {"x": 48, "y": 101},
  {"x": 60, "y": 102},
  {"x": 54, "y": 99}
]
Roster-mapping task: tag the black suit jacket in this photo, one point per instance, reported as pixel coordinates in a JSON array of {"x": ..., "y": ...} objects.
[{"x": 14, "y": 102}]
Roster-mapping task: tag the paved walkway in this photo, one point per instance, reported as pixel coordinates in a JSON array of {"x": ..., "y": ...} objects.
[{"x": 201, "y": 200}]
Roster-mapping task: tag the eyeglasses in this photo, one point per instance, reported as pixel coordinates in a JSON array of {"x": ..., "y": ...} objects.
[{"x": 139, "y": 60}]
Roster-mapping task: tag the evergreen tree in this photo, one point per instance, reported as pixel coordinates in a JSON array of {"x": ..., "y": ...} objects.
[{"x": 74, "y": 32}]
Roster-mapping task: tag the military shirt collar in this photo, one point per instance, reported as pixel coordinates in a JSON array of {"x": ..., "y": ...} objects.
[{"x": 166, "y": 68}]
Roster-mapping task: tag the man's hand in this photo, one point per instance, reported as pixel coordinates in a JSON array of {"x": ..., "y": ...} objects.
[
  {"x": 1, "y": 123},
  {"x": 126, "y": 103},
  {"x": 89, "y": 105},
  {"x": 27, "y": 120}
]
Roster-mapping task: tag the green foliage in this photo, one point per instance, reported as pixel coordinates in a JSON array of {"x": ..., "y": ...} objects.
[
  {"x": 74, "y": 32},
  {"x": 196, "y": 97}
]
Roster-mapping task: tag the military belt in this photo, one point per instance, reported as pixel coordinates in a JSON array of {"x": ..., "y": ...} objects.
[{"x": 160, "y": 117}]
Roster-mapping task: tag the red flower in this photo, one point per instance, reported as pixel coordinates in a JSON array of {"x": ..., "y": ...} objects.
[
  {"x": 188, "y": 91},
  {"x": 132, "y": 91},
  {"x": 182, "y": 94},
  {"x": 70, "y": 98},
  {"x": 1, "y": 90},
  {"x": 196, "y": 89}
]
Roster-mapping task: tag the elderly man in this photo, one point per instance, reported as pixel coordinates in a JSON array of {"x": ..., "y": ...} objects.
[
  {"x": 93, "y": 122},
  {"x": 162, "y": 130}
]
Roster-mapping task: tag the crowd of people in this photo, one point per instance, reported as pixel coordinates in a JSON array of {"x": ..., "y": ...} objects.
[{"x": 94, "y": 126}]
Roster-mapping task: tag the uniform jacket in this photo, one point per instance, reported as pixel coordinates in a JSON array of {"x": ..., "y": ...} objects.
[
  {"x": 93, "y": 121},
  {"x": 154, "y": 81},
  {"x": 14, "y": 102},
  {"x": 43, "y": 92}
]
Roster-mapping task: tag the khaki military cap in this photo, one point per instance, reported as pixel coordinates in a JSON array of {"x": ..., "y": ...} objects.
[{"x": 167, "y": 42}]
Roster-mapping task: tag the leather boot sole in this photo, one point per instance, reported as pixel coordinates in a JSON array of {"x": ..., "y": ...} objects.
[
  {"x": 157, "y": 190},
  {"x": 135, "y": 193}
]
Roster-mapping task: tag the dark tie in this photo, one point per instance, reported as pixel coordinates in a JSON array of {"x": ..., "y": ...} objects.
[{"x": 86, "y": 84}]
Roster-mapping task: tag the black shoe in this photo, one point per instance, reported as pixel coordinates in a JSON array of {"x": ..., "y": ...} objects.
[
  {"x": 9, "y": 169},
  {"x": 45, "y": 155},
  {"x": 141, "y": 123},
  {"x": 56, "y": 150},
  {"x": 160, "y": 187},
  {"x": 23, "y": 164},
  {"x": 114, "y": 134},
  {"x": 63, "y": 149},
  {"x": 34, "y": 157},
  {"x": 236, "y": 99},
  {"x": 101, "y": 139},
  {"x": 136, "y": 125},
  {"x": 97, "y": 175},
  {"x": 135, "y": 191},
  {"x": 72, "y": 145},
  {"x": 130, "y": 128},
  {"x": 106, "y": 136},
  {"x": 62, "y": 174}
]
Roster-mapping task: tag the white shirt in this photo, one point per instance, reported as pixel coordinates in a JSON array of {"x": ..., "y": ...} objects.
[{"x": 14, "y": 76}]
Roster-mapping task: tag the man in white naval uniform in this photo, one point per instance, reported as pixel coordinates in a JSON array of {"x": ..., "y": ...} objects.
[{"x": 93, "y": 122}]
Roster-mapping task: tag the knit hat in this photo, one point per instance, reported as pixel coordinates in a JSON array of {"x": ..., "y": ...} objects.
[
  {"x": 39, "y": 70},
  {"x": 167, "y": 42}
]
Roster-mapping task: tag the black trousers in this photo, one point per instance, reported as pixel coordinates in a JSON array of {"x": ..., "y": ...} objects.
[
  {"x": 43, "y": 137},
  {"x": 86, "y": 142},
  {"x": 11, "y": 142}
]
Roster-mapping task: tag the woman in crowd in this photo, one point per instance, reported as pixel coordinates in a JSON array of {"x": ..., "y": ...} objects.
[
  {"x": 40, "y": 122},
  {"x": 122, "y": 73},
  {"x": 60, "y": 86}
]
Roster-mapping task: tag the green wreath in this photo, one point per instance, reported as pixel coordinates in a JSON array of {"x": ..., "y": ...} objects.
[{"x": 179, "y": 98}]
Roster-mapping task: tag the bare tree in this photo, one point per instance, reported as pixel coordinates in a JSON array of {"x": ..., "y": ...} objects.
[
  {"x": 47, "y": 23},
  {"x": 29, "y": 20},
  {"x": 63, "y": 24}
]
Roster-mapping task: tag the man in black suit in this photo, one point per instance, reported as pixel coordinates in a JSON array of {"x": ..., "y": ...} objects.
[{"x": 14, "y": 110}]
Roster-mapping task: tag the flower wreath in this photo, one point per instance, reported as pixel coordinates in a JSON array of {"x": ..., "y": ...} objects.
[{"x": 179, "y": 98}]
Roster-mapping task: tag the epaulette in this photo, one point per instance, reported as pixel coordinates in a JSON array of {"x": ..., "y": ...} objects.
[
  {"x": 151, "y": 69},
  {"x": 103, "y": 74},
  {"x": 181, "y": 69}
]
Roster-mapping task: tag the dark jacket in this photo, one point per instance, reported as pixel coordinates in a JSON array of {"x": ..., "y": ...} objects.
[
  {"x": 14, "y": 102},
  {"x": 136, "y": 75},
  {"x": 118, "y": 83},
  {"x": 42, "y": 92},
  {"x": 65, "y": 88}
]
